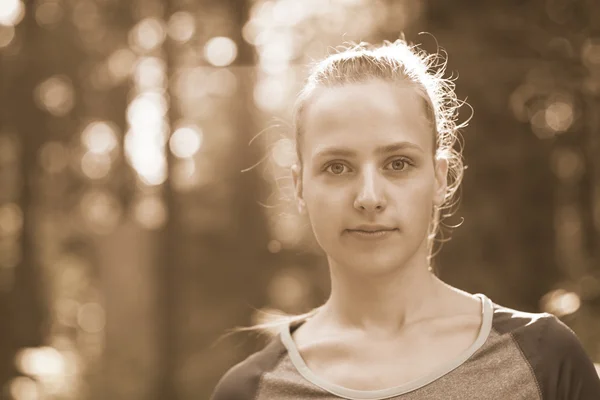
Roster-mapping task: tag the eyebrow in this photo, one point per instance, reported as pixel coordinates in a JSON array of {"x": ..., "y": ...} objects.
[{"x": 347, "y": 152}]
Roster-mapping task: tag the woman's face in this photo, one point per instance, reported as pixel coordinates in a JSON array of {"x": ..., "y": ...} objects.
[{"x": 368, "y": 165}]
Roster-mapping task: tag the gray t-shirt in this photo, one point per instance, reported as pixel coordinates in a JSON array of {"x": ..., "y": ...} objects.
[{"x": 516, "y": 356}]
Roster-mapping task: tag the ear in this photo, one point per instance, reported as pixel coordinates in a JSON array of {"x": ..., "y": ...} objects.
[
  {"x": 441, "y": 180},
  {"x": 297, "y": 179}
]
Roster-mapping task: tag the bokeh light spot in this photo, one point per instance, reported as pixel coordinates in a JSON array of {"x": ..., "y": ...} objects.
[
  {"x": 186, "y": 141},
  {"x": 150, "y": 212},
  {"x": 91, "y": 318},
  {"x": 7, "y": 34},
  {"x": 86, "y": 15},
  {"x": 250, "y": 32},
  {"x": 220, "y": 51},
  {"x": 269, "y": 94},
  {"x": 10, "y": 254},
  {"x": 53, "y": 157},
  {"x": 191, "y": 83},
  {"x": 184, "y": 175},
  {"x": 567, "y": 221},
  {"x": 66, "y": 311},
  {"x": 568, "y": 164},
  {"x": 222, "y": 82},
  {"x": 100, "y": 137},
  {"x": 288, "y": 229},
  {"x": 539, "y": 125},
  {"x": 48, "y": 13},
  {"x": 40, "y": 362},
  {"x": 24, "y": 388},
  {"x": 559, "y": 116},
  {"x": 101, "y": 210},
  {"x": 56, "y": 95},
  {"x": 150, "y": 73},
  {"x": 284, "y": 152},
  {"x": 561, "y": 302},
  {"x": 11, "y": 219},
  {"x": 147, "y": 158},
  {"x": 11, "y": 12},
  {"x": 147, "y": 35},
  {"x": 147, "y": 109},
  {"x": 120, "y": 63},
  {"x": 590, "y": 52},
  {"x": 288, "y": 288},
  {"x": 95, "y": 165},
  {"x": 290, "y": 12},
  {"x": 181, "y": 26}
]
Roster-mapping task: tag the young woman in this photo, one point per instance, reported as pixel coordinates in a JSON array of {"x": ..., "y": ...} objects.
[{"x": 375, "y": 131}]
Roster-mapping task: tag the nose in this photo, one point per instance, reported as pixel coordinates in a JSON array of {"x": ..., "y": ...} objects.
[{"x": 370, "y": 197}]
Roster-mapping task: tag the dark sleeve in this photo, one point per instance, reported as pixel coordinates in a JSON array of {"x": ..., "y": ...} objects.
[{"x": 573, "y": 376}]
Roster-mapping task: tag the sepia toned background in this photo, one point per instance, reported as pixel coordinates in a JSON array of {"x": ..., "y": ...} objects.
[{"x": 144, "y": 195}]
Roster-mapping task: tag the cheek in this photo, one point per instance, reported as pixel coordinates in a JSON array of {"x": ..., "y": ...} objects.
[
  {"x": 325, "y": 207},
  {"x": 415, "y": 201}
]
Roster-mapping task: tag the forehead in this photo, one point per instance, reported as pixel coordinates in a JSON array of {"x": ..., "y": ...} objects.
[{"x": 366, "y": 116}]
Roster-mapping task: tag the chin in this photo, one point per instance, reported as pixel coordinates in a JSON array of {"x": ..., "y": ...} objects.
[{"x": 375, "y": 262}]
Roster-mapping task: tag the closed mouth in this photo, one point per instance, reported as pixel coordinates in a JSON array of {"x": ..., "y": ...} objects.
[{"x": 379, "y": 232}]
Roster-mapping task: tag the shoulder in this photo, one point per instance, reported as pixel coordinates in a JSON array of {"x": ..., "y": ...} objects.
[
  {"x": 241, "y": 382},
  {"x": 542, "y": 332},
  {"x": 556, "y": 357}
]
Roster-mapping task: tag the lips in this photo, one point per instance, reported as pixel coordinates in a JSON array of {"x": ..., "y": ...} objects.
[
  {"x": 371, "y": 234},
  {"x": 372, "y": 228},
  {"x": 368, "y": 231}
]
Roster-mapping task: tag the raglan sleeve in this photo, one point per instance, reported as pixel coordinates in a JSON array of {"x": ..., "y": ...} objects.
[{"x": 573, "y": 376}]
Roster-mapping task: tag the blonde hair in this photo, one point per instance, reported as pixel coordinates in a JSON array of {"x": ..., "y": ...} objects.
[{"x": 394, "y": 62}]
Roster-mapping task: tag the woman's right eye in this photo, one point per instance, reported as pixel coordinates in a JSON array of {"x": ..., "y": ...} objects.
[{"x": 336, "y": 168}]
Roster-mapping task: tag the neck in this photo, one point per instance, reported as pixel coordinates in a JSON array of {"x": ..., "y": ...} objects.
[{"x": 385, "y": 304}]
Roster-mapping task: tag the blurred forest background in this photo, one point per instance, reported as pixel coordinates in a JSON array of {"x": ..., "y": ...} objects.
[{"x": 130, "y": 238}]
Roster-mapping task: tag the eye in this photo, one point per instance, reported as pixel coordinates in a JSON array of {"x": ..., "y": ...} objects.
[
  {"x": 399, "y": 164},
  {"x": 336, "y": 168}
]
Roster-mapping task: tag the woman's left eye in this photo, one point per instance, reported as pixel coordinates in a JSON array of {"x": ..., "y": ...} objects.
[{"x": 399, "y": 164}]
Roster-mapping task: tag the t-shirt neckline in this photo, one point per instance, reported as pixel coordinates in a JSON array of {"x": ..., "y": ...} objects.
[{"x": 352, "y": 394}]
